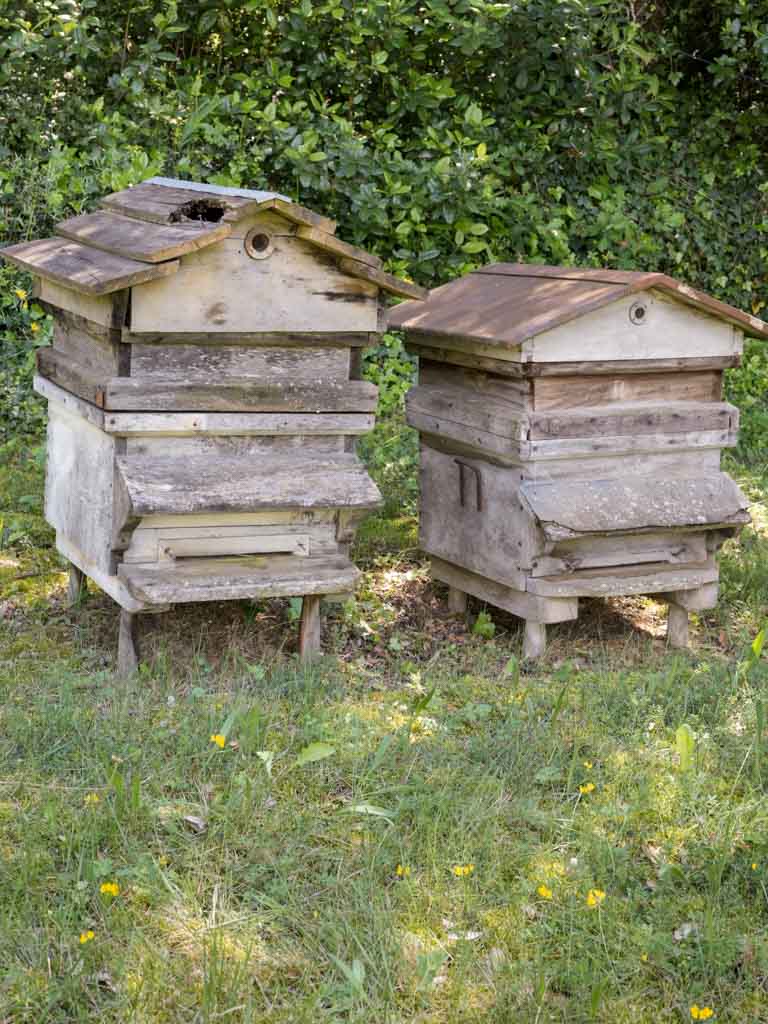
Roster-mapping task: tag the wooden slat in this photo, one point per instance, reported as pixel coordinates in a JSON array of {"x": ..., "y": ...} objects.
[
  {"x": 571, "y": 391},
  {"x": 627, "y": 579},
  {"x": 244, "y": 424},
  {"x": 82, "y": 268},
  {"x": 332, "y": 244},
  {"x": 604, "y": 552},
  {"x": 301, "y": 339},
  {"x": 196, "y": 485},
  {"x": 72, "y": 403},
  {"x": 71, "y": 376},
  {"x": 205, "y": 579},
  {"x": 569, "y": 509},
  {"x": 139, "y": 240},
  {"x": 218, "y": 362},
  {"x": 467, "y": 409},
  {"x": 160, "y": 204},
  {"x": 96, "y": 348},
  {"x": 108, "y": 311},
  {"x": 237, "y": 395},
  {"x": 390, "y": 283},
  {"x": 634, "y": 418},
  {"x": 624, "y": 444},
  {"x": 299, "y": 214}
]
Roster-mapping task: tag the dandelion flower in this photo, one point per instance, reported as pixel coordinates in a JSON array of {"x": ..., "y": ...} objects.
[
  {"x": 588, "y": 765},
  {"x": 588, "y": 787},
  {"x": 644, "y": 957},
  {"x": 21, "y": 294},
  {"x": 545, "y": 892},
  {"x": 34, "y": 327},
  {"x": 86, "y": 937},
  {"x": 219, "y": 740},
  {"x": 754, "y": 866},
  {"x": 595, "y": 897},
  {"x": 463, "y": 870},
  {"x": 402, "y": 871},
  {"x": 109, "y": 889},
  {"x": 91, "y": 799},
  {"x": 701, "y": 1013}
]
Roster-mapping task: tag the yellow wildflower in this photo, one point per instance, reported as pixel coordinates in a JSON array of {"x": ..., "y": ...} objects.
[
  {"x": 21, "y": 294},
  {"x": 595, "y": 897},
  {"x": 545, "y": 892},
  {"x": 86, "y": 937},
  {"x": 109, "y": 888},
  {"x": 754, "y": 866},
  {"x": 219, "y": 740},
  {"x": 34, "y": 327},
  {"x": 701, "y": 1013},
  {"x": 402, "y": 872},
  {"x": 588, "y": 765},
  {"x": 644, "y": 957},
  {"x": 91, "y": 799},
  {"x": 463, "y": 870},
  {"x": 588, "y": 787}
]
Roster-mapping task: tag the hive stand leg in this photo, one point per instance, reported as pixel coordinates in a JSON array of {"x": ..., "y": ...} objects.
[
  {"x": 77, "y": 586},
  {"x": 128, "y": 644},
  {"x": 309, "y": 627},
  {"x": 677, "y": 626},
  {"x": 457, "y": 601},
  {"x": 534, "y": 639}
]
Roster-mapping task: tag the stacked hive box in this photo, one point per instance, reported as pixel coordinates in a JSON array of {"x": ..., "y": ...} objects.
[
  {"x": 204, "y": 397},
  {"x": 571, "y": 425}
]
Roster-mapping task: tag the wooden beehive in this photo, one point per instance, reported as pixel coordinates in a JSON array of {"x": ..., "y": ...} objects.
[
  {"x": 571, "y": 425},
  {"x": 204, "y": 397}
]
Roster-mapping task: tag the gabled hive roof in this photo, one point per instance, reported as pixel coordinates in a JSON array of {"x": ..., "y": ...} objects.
[
  {"x": 506, "y": 304},
  {"x": 141, "y": 232}
]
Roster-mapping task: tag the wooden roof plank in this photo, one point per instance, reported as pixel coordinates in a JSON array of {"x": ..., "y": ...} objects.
[
  {"x": 160, "y": 204},
  {"x": 505, "y": 304},
  {"x": 139, "y": 240},
  {"x": 334, "y": 245},
  {"x": 390, "y": 283},
  {"x": 83, "y": 268}
]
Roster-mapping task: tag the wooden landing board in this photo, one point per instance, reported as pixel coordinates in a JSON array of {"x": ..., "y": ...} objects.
[
  {"x": 139, "y": 240},
  {"x": 569, "y": 509},
  {"x": 82, "y": 268},
  {"x": 622, "y": 580},
  {"x": 166, "y": 486},
  {"x": 222, "y": 579}
]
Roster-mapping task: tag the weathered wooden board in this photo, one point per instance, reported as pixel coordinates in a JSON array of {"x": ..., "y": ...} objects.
[
  {"x": 96, "y": 348},
  {"x": 664, "y": 417},
  {"x": 163, "y": 486},
  {"x": 232, "y": 541},
  {"x": 471, "y": 440},
  {"x": 218, "y": 520},
  {"x": 334, "y": 245},
  {"x": 569, "y": 509},
  {"x": 139, "y": 240},
  {"x": 605, "y": 552},
  {"x": 464, "y": 407},
  {"x": 161, "y": 204},
  {"x": 624, "y": 444},
  {"x": 274, "y": 363},
  {"x": 527, "y": 606},
  {"x": 471, "y": 516},
  {"x": 573, "y": 391},
  {"x": 512, "y": 391},
  {"x": 222, "y": 289},
  {"x": 82, "y": 268},
  {"x": 693, "y": 600},
  {"x": 390, "y": 283},
  {"x": 264, "y": 339},
  {"x": 698, "y": 462},
  {"x": 203, "y": 579},
  {"x": 237, "y": 395},
  {"x": 105, "y": 579},
  {"x": 248, "y": 424},
  {"x": 71, "y": 376},
  {"x": 72, "y": 403},
  {"x": 79, "y": 486},
  {"x": 215, "y": 446},
  {"x": 105, "y": 310},
  {"x": 626, "y": 579}
]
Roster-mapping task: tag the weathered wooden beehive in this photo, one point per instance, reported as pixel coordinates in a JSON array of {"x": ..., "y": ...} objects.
[
  {"x": 571, "y": 424},
  {"x": 204, "y": 397}
]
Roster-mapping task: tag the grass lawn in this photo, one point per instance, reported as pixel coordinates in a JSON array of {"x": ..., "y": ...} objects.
[{"x": 417, "y": 829}]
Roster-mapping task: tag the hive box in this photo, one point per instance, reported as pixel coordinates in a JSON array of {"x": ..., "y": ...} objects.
[
  {"x": 204, "y": 397},
  {"x": 571, "y": 425}
]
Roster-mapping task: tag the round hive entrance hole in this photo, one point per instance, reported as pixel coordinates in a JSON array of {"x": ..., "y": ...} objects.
[
  {"x": 199, "y": 209},
  {"x": 258, "y": 244}
]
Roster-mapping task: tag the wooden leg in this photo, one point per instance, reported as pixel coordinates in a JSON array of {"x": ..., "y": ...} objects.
[
  {"x": 677, "y": 626},
  {"x": 534, "y": 639},
  {"x": 457, "y": 601},
  {"x": 127, "y": 644},
  {"x": 309, "y": 627},
  {"x": 77, "y": 586}
]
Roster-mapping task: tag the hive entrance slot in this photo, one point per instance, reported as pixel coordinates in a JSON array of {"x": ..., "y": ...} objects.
[{"x": 199, "y": 209}]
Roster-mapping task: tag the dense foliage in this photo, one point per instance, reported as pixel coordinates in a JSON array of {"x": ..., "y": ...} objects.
[{"x": 441, "y": 134}]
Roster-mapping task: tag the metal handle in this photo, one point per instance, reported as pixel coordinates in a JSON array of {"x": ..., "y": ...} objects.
[{"x": 466, "y": 468}]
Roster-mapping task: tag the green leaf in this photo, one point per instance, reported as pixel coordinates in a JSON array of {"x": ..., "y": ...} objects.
[
  {"x": 317, "y": 157},
  {"x": 473, "y": 246},
  {"x": 478, "y": 229},
  {"x": 473, "y": 115},
  {"x": 314, "y": 752},
  {"x": 267, "y": 757},
  {"x": 371, "y": 809},
  {"x": 685, "y": 743},
  {"x": 758, "y": 643}
]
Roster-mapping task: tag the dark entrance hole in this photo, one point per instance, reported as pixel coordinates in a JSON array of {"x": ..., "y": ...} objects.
[{"x": 199, "y": 209}]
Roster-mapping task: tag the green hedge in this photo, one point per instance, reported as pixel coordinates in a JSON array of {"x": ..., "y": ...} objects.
[{"x": 441, "y": 135}]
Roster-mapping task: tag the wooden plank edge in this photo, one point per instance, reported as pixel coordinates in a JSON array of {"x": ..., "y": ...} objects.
[
  {"x": 334, "y": 245},
  {"x": 198, "y": 241},
  {"x": 390, "y": 283}
]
